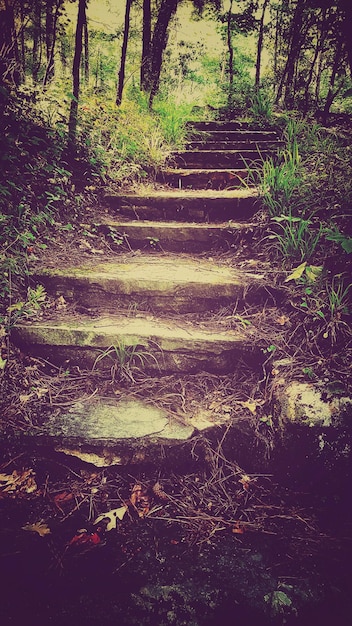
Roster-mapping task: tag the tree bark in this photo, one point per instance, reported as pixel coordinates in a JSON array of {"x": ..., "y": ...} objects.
[
  {"x": 335, "y": 68},
  {"x": 72, "y": 123},
  {"x": 292, "y": 54},
  {"x": 37, "y": 39},
  {"x": 260, "y": 44},
  {"x": 230, "y": 50},
  {"x": 86, "y": 48},
  {"x": 146, "y": 46},
  {"x": 345, "y": 7},
  {"x": 159, "y": 41},
  {"x": 123, "y": 53}
]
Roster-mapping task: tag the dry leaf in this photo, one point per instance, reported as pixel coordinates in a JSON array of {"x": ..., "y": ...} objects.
[
  {"x": 38, "y": 527},
  {"x": 140, "y": 500},
  {"x": 282, "y": 320},
  {"x": 238, "y": 529},
  {"x": 113, "y": 516},
  {"x": 85, "y": 540},
  {"x": 18, "y": 482},
  {"x": 250, "y": 404},
  {"x": 245, "y": 481},
  {"x": 62, "y": 498}
]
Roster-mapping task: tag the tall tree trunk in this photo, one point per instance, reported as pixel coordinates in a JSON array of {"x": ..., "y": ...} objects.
[
  {"x": 292, "y": 54},
  {"x": 335, "y": 68},
  {"x": 10, "y": 66},
  {"x": 49, "y": 40},
  {"x": 37, "y": 39},
  {"x": 86, "y": 49},
  {"x": 318, "y": 47},
  {"x": 260, "y": 44},
  {"x": 126, "y": 31},
  {"x": 230, "y": 51},
  {"x": 72, "y": 123},
  {"x": 345, "y": 6},
  {"x": 159, "y": 41},
  {"x": 146, "y": 46}
]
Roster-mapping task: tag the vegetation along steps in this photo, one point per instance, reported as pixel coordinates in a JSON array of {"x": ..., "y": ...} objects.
[{"x": 154, "y": 308}]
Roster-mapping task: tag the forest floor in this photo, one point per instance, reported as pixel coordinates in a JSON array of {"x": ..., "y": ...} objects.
[{"x": 178, "y": 547}]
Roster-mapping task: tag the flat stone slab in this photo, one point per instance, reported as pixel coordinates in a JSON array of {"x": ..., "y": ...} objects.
[
  {"x": 175, "y": 236},
  {"x": 158, "y": 283},
  {"x": 203, "y": 178},
  {"x": 145, "y": 343},
  {"x": 108, "y": 421},
  {"x": 108, "y": 431},
  {"x": 218, "y": 158},
  {"x": 188, "y": 204},
  {"x": 215, "y": 143}
]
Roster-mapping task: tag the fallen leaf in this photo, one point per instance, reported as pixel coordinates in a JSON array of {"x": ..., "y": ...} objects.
[
  {"x": 84, "y": 539},
  {"x": 62, "y": 498},
  {"x": 238, "y": 529},
  {"x": 297, "y": 272},
  {"x": 140, "y": 500},
  {"x": 282, "y": 320},
  {"x": 18, "y": 482},
  {"x": 251, "y": 405},
  {"x": 113, "y": 516},
  {"x": 245, "y": 481},
  {"x": 38, "y": 527}
]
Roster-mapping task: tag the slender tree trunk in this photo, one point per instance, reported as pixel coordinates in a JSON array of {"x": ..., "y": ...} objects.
[
  {"x": 317, "y": 50},
  {"x": 146, "y": 46},
  {"x": 126, "y": 31},
  {"x": 159, "y": 41},
  {"x": 86, "y": 49},
  {"x": 335, "y": 68},
  {"x": 260, "y": 44},
  {"x": 72, "y": 123},
  {"x": 37, "y": 39},
  {"x": 292, "y": 53},
  {"x": 345, "y": 6},
  {"x": 49, "y": 40},
  {"x": 10, "y": 66},
  {"x": 230, "y": 50}
]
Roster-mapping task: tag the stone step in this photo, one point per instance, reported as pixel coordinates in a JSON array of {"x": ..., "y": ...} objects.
[
  {"x": 158, "y": 283},
  {"x": 203, "y": 178},
  {"x": 229, "y": 144},
  {"x": 124, "y": 345},
  {"x": 238, "y": 128},
  {"x": 218, "y": 158},
  {"x": 232, "y": 135},
  {"x": 187, "y": 205},
  {"x": 174, "y": 236}
]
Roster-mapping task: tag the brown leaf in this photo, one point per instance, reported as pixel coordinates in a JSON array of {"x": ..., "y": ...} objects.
[
  {"x": 238, "y": 529},
  {"x": 140, "y": 500},
  {"x": 38, "y": 527},
  {"x": 62, "y": 498},
  {"x": 85, "y": 540},
  {"x": 16, "y": 482},
  {"x": 282, "y": 320}
]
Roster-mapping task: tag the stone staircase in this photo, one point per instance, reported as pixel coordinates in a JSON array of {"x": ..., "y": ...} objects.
[{"x": 154, "y": 307}]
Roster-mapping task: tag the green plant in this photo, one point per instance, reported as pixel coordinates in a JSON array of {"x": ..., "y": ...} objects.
[
  {"x": 29, "y": 308},
  {"x": 261, "y": 105},
  {"x": 333, "y": 234},
  {"x": 127, "y": 359},
  {"x": 295, "y": 238}
]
